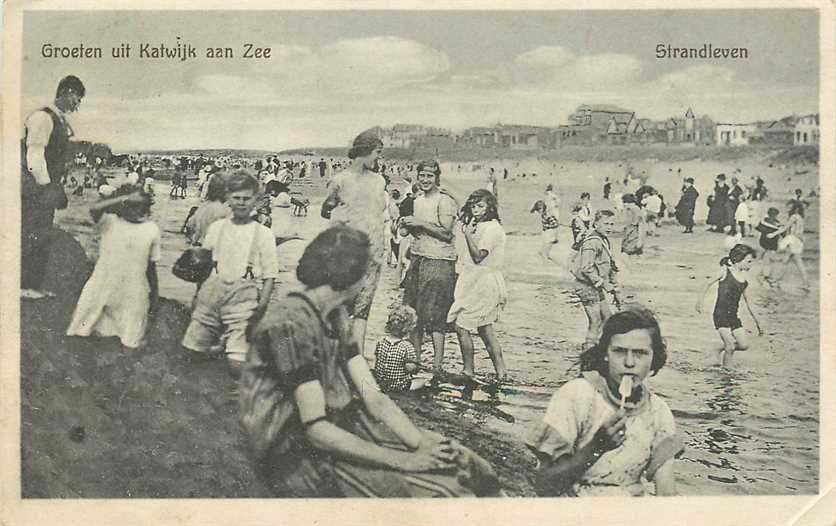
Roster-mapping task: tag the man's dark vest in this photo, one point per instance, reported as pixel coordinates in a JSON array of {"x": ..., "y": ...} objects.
[{"x": 54, "y": 153}]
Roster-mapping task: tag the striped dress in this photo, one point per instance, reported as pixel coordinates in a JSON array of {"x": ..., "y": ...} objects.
[{"x": 295, "y": 344}]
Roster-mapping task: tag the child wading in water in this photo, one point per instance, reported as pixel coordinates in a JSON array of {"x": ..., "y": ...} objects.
[
  {"x": 771, "y": 230},
  {"x": 123, "y": 289},
  {"x": 792, "y": 244},
  {"x": 480, "y": 291},
  {"x": 732, "y": 286},
  {"x": 605, "y": 432},
  {"x": 550, "y": 224},
  {"x": 395, "y": 359}
]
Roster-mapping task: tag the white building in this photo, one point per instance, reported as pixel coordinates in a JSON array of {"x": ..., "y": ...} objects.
[
  {"x": 734, "y": 134},
  {"x": 806, "y": 130}
]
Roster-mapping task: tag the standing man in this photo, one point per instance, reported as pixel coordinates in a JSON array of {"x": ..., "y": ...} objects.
[
  {"x": 44, "y": 147},
  {"x": 357, "y": 198}
]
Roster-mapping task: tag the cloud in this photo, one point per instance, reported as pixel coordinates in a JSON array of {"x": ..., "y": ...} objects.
[
  {"x": 697, "y": 78},
  {"x": 557, "y": 67},
  {"x": 610, "y": 69},
  {"x": 354, "y": 66},
  {"x": 386, "y": 59},
  {"x": 545, "y": 56},
  {"x": 224, "y": 86},
  {"x": 308, "y": 96}
]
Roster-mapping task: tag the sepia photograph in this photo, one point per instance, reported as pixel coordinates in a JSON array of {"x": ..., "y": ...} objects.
[{"x": 540, "y": 252}]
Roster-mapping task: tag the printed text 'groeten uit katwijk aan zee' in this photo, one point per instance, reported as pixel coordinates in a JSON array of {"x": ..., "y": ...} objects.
[{"x": 176, "y": 50}]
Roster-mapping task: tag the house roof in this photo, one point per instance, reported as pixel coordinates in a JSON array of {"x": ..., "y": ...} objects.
[
  {"x": 777, "y": 126},
  {"x": 480, "y": 130},
  {"x": 815, "y": 117},
  {"x": 608, "y": 108},
  {"x": 623, "y": 118},
  {"x": 689, "y": 114}
]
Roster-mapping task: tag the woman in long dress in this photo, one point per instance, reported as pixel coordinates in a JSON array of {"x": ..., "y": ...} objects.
[
  {"x": 317, "y": 424},
  {"x": 718, "y": 216}
]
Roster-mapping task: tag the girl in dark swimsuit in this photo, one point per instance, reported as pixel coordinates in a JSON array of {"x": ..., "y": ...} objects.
[{"x": 731, "y": 287}]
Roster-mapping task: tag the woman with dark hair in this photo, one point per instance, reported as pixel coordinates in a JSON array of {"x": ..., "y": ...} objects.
[
  {"x": 431, "y": 279},
  {"x": 605, "y": 432},
  {"x": 317, "y": 424},
  {"x": 480, "y": 293}
]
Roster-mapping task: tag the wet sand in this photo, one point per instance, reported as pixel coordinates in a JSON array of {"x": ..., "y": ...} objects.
[{"x": 734, "y": 422}]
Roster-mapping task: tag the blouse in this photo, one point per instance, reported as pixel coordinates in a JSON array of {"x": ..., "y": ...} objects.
[
  {"x": 576, "y": 412},
  {"x": 292, "y": 345}
]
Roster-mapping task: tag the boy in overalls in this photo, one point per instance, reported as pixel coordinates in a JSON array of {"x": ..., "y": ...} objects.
[{"x": 239, "y": 288}]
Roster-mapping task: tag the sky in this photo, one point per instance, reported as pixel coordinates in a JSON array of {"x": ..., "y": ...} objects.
[{"x": 333, "y": 74}]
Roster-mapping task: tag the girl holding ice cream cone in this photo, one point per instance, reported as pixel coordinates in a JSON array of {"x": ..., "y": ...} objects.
[{"x": 605, "y": 433}]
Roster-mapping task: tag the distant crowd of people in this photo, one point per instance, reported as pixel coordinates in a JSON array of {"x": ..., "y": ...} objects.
[{"x": 315, "y": 422}]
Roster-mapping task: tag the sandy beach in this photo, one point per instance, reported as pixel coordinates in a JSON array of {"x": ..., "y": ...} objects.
[{"x": 97, "y": 423}]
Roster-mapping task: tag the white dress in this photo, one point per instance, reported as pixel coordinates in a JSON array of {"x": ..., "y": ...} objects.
[
  {"x": 115, "y": 299},
  {"x": 480, "y": 293}
]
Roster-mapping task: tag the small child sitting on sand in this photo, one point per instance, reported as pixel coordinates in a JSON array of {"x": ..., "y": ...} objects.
[{"x": 395, "y": 359}]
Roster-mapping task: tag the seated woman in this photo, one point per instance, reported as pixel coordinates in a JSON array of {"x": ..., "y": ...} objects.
[
  {"x": 317, "y": 424},
  {"x": 602, "y": 434}
]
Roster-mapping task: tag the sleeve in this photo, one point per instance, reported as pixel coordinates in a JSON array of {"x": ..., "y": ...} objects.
[
  {"x": 446, "y": 209},
  {"x": 106, "y": 221},
  {"x": 212, "y": 235},
  {"x": 491, "y": 238},
  {"x": 557, "y": 434},
  {"x": 762, "y": 228},
  {"x": 156, "y": 241},
  {"x": 406, "y": 352},
  {"x": 267, "y": 253},
  {"x": 293, "y": 347},
  {"x": 667, "y": 443},
  {"x": 587, "y": 266},
  {"x": 38, "y": 130}
]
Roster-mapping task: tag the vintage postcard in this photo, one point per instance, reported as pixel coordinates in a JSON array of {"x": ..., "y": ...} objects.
[{"x": 532, "y": 254}]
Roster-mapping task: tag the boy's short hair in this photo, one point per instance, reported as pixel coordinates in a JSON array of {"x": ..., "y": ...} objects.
[
  {"x": 242, "y": 180},
  {"x": 772, "y": 211},
  {"x": 604, "y": 212},
  {"x": 585, "y": 195}
]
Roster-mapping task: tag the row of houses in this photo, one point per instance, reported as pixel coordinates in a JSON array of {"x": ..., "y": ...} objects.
[{"x": 592, "y": 124}]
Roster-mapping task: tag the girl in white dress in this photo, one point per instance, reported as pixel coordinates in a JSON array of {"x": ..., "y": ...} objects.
[
  {"x": 480, "y": 293},
  {"x": 117, "y": 298}
]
